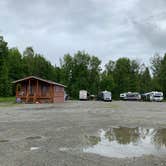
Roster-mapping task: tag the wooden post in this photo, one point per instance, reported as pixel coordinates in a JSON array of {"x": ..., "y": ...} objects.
[
  {"x": 28, "y": 89},
  {"x": 52, "y": 89},
  {"x": 16, "y": 90},
  {"x": 50, "y": 92},
  {"x": 37, "y": 89},
  {"x": 34, "y": 93}
]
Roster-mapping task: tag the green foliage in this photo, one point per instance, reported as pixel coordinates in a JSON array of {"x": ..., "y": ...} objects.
[
  {"x": 81, "y": 71},
  {"x": 159, "y": 73},
  {"x": 3, "y": 51},
  {"x": 134, "y": 76},
  {"x": 7, "y": 99},
  {"x": 94, "y": 75},
  {"x": 107, "y": 82},
  {"x": 15, "y": 64},
  {"x": 121, "y": 76},
  {"x": 5, "y": 84},
  {"x": 145, "y": 80},
  {"x": 162, "y": 74},
  {"x": 110, "y": 66},
  {"x": 156, "y": 64}
]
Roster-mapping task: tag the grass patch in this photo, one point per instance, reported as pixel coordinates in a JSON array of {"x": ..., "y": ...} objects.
[{"x": 7, "y": 99}]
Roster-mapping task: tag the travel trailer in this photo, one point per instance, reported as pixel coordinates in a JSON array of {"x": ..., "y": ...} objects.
[
  {"x": 83, "y": 95},
  {"x": 105, "y": 96},
  {"x": 153, "y": 96},
  {"x": 122, "y": 96},
  {"x": 130, "y": 96}
]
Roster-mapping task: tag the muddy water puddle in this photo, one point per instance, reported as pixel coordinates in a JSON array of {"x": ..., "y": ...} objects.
[
  {"x": 33, "y": 137},
  {"x": 4, "y": 140},
  {"x": 122, "y": 142}
]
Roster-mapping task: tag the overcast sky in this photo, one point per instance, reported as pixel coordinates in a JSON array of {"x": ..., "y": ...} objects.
[{"x": 108, "y": 29}]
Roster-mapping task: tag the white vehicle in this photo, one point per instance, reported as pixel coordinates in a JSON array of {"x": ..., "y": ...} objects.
[
  {"x": 153, "y": 96},
  {"x": 122, "y": 96},
  {"x": 83, "y": 95},
  {"x": 106, "y": 96},
  {"x": 130, "y": 96}
]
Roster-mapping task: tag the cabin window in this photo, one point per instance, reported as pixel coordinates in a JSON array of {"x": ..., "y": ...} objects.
[{"x": 44, "y": 90}]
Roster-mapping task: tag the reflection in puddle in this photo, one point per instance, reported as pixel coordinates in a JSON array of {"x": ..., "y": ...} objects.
[
  {"x": 33, "y": 137},
  {"x": 93, "y": 140},
  {"x": 4, "y": 140},
  {"x": 128, "y": 142}
]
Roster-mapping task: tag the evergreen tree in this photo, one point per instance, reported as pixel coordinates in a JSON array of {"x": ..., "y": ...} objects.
[
  {"x": 15, "y": 64},
  {"x": 5, "y": 83},
  {"x": 94, "y": 75},
  {"x": 82, "y": 71},
  {"x": 134, "y": 76},
  {"x": 162, "y": 75},
  {"x": 3, "y": 51},
  {"x": 107, "y": 79},
  {"x": 145, "y": 80},
  {"x": 156, "y": 68},
  {"x": 122, "y": 76},
  {"x": 107, "y": 82}
]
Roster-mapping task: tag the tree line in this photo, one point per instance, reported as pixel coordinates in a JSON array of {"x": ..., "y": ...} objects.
[{"x": 82, "y": 71}]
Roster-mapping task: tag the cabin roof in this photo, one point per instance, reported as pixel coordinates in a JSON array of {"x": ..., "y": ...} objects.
[{"x": 38, "y": 78}]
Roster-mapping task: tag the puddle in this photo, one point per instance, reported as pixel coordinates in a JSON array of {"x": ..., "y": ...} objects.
[
  {"x": 4, "y": 140},
  {"x": 33, "y": 137},
  {"x": 124, "y": 142}
]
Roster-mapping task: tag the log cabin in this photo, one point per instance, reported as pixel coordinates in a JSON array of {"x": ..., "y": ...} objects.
[{"x": 34, "y": 89}]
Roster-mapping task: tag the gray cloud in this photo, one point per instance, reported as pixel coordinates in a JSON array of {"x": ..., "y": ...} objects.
[
  {"x": 151, "y": 22},
  {"x": 108, "y": 29}
]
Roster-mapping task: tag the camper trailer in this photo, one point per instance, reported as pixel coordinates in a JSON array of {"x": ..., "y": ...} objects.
[
  {"x": 122, "y": 96},
  {"x": 105, "y": 96},
  {"x": 153, "y": 96},
  {"x": 130, "y": 96},
  {"x": 83, "y": 95}
]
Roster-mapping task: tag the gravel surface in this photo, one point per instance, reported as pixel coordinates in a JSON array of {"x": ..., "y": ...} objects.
[{"x": 55, "y": 134}]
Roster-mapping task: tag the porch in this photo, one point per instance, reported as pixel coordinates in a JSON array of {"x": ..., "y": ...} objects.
[{"x": 33, "y": 90}]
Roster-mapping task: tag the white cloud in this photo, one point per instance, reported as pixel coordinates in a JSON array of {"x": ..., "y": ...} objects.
[{"x": 108, "y": 29}]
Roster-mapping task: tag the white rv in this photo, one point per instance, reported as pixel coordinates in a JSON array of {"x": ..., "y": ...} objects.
[
  {"x": 83, "y": 95},
  {"x": 122, "y": 96},
  {"x": 130, "y": 96},
  {"x": 106, "y": 96},
  {"x": 153, "y": 96}
]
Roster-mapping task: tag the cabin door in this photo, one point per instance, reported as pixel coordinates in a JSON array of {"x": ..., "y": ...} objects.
[{"x": 32, "y": 88}]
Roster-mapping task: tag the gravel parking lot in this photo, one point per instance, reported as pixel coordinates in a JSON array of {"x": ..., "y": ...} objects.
[{"x": 57, "y": 134}]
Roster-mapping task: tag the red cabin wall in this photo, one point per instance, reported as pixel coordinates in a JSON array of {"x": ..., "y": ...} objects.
[{"x": 58, "y": 94}]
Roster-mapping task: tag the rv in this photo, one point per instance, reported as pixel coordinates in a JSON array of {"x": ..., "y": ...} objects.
[
  {"x": 83, "y": 95},
  {"x": 153, "y": 96},
  {"x": 122, "y": 96},
  {"x": 105, "y": 96},
  {"x": 130, "y": 96}
]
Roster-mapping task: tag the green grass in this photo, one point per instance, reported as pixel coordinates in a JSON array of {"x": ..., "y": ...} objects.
[{"x": 7, "y": 99}]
